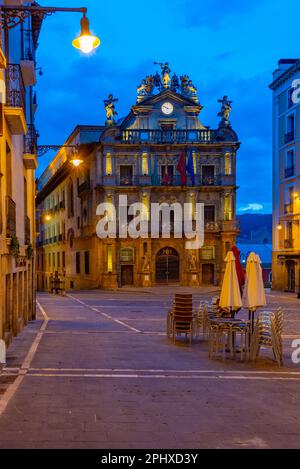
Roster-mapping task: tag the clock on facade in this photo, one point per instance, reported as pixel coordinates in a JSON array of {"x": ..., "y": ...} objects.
[{"x": 167, "y": 108}]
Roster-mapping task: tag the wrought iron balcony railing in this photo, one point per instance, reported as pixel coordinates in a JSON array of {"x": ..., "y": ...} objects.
[
  {"x": 30, "y": 140},
  {"x": 15, "y": 89},
  {"x": 159, "y": 180},
  {"x": 168, "y": 136},
  {"x": 11, "y": 223},
  {"x": 288, "y": 172}
]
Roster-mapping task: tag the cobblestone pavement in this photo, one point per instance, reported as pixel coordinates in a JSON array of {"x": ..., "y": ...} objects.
[{"x": 97, "y": 371}]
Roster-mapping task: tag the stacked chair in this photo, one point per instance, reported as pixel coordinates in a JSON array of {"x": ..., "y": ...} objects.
[
  {"x": 268, "y": 333},
  {"x": 180, "y": 319},
  {"x": 205, "y": 311}
]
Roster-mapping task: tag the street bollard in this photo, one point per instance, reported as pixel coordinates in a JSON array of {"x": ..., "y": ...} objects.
[{"x": 2, "y": 353}]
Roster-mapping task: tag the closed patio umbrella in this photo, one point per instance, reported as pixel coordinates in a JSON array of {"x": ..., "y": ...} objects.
[
  {"x": 230, "y": 295},
  {"x": 254, "y": 293}
]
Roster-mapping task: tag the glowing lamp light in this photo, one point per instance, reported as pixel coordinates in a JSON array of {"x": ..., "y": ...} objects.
[
  {"x": 76, "y": 162},
  {"x": 48, "y": 217},
  {"x": 86, "y": 41},
  {"x": 279, "y": 227}
]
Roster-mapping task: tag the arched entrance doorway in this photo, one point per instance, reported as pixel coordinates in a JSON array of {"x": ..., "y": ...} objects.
[
  {"x": 291, "y": 271},
  {"x": 167, "y": 266}
]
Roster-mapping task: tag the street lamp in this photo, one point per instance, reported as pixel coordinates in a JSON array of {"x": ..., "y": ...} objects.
[
  {"x": 86, "y": 42},
  {"x": 12, "y": 16},
  {"x": 76, "y": 161}
]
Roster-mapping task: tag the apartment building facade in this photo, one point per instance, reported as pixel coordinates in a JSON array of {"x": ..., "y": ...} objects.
[
  {"x": 18, "y": 162},
  {"x": 286, "y": 176}
]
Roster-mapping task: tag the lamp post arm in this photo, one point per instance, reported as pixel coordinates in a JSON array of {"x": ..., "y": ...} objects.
[{"x": 12, "y": 15}]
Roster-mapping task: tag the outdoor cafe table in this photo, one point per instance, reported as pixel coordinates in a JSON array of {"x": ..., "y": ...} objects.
[{"x": 230, "y": 323}]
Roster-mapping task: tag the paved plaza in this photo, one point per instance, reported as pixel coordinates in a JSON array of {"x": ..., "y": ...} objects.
[{"x": 96, "y": 370}]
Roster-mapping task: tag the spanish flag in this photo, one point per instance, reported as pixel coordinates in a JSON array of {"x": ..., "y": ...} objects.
[{"x": 181, "y": 168}]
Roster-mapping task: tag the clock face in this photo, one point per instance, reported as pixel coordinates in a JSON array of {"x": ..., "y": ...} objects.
[{"x": 167, "y": 108}]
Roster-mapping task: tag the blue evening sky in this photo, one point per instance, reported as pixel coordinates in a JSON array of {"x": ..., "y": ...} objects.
[{"x": 227, "y": 47}]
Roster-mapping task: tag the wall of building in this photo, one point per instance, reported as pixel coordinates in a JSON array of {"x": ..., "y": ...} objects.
[
  {"x": 286, "y": 181},
  {"x": 17, "y": 193}
]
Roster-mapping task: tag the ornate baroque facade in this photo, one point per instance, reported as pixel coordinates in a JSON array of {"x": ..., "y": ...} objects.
[{"x": 138, "y": 156}]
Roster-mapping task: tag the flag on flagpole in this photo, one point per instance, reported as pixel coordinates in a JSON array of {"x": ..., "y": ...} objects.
[
  {"x": 190, "y": 167},
  {"x": 181, "y": 168}
]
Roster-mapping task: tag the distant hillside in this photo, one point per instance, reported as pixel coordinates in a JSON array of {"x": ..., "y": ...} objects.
[{"x": 255, "y": 228}]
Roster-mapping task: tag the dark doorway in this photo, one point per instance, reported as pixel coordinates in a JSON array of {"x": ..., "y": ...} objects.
[
  {"x": 126, "y": 275},
  {"x": 208, "y": 274},
  {"x": 167, "y": 266},
  {"x": 290, "y": 265}
]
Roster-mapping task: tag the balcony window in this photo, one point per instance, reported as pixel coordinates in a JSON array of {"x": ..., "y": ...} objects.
[
  {"x": 194, "y": 155},
  {"x": 77, "y": 262},
  {"x": 145, "y": 168},
  {"x": 228, "y": 208},
  {"x": 290, "y": 164},
  {"x": 126, "y": 175},
  {"x": 209, "y": 213},
  {"x": 109, "y": 258},
  {"x": 208, "y": 175},
  {"x": 228, "y": 169},
  {"x": 290, "y": 127},
  {"x": 145, "y": 202},
  {"x": 15, "y": 89},
  {"x": 167, "y": 174},
  {"x": 108, "y": 167}
]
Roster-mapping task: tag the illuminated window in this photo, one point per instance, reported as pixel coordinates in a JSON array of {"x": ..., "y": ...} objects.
[
  {"x": 108, "y": 168},
  {"x": 109, "y": 258},
  {"x": 227, "y": 164},
  {"x": 127, "y": 255},
  {"x": 207, "y": 253},
  {"x": 228, "y": 208},
  {"x": 195, "y": 162},
  {"x": 110, "y": 213},
  {"x": 145, "y": 202},
  {"x": 192, "y": 209},
  {"x": 145, "y": 167}
]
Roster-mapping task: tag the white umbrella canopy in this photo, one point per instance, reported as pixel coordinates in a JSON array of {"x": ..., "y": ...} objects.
[
  {"x": 254, "y": 293},
  {"x": 230, "y": 295}
]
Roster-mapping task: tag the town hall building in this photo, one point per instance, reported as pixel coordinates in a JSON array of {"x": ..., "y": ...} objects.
[{"x": 143, "y": 156}]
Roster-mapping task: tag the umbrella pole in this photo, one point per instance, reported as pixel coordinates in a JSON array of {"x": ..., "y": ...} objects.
[{"x": 251, "y": 319}]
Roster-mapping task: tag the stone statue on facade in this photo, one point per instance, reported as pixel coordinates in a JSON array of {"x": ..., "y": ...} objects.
[
  {"x": 145, "y": 88},
  {"x": 149, "y": 84},
  {"x": 157, "y": 81},
  {"x": 184, "y": 79},
  {"x": 109, "y": 105},
  {"x": 188, "y": 88},
  {"x": 192, "y": 262},
  {"x": 225, "y": 111},
  {"x": 142, "y": 90},
  {"x": 146, "y": 264},
  {"x": 165, "y": 73},
  {"x": 192, "y": 91},
  {"x": 174, "y": 83}
]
